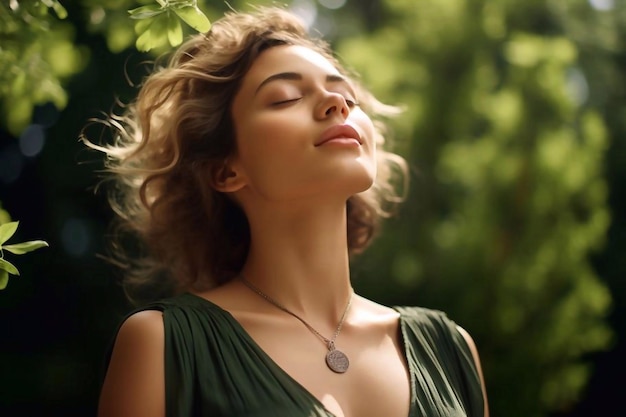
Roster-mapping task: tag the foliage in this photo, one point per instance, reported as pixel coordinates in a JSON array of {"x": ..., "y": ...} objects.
[
  {"x": 38, "y": 55},
  {"x": 4, "y": 215},
  {"x": 510, "y": 199},
  {"x": 7, "y": 230},
  {"x": 159, "y": 24}
]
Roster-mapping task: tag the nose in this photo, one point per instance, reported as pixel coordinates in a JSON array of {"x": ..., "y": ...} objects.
[{"x": 333, "y": 104}]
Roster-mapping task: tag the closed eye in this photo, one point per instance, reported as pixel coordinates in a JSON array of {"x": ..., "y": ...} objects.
[
  {"x": 351, "y": 103},
  {"x": 291, "y": 100}
]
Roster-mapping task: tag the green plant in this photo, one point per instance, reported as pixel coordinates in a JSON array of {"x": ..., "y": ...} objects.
[
  {"x": 158, "y": 24},
  {"x": 7, "y": 230},
  {"x": 39, "y": 53}
]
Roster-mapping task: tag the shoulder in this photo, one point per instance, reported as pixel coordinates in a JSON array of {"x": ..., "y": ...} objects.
[
  {"x": 142, "y": 324},
  {"x": 162, "y": 320},
  {"x": 165, "y": 310},
  {"x": 134, "y": 382},
  {"x": 431, "y": 330},
  {"x": 434, "y": 327},
  {"x": 469, "y": 341},
  {"x": 434, "y": 332},
  {"x": 139, "y": 339},
  {"x": 476, "y": 358},
  {"x": 422, "y": 319}
]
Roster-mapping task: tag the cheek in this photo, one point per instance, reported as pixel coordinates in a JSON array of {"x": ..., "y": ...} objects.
[
  {"x": 271, "y": 143},
  {"x": 366, "y": 125},
  {"x": 270, "y": 137},
  {"x": 362, "y": 120}
]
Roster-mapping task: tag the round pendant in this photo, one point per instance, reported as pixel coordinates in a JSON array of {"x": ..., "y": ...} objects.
[{"x": 337, "y": 361}]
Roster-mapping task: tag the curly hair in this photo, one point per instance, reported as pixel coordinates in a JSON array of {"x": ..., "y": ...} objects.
[{"x": 179, "y": 132}]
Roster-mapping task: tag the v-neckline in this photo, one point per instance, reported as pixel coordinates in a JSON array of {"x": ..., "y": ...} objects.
[{"x": 279, "y": 370}]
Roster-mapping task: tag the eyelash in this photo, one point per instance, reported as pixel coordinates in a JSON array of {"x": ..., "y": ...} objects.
[
  {"x": 291, "y": 100},
  {"x": 351, "y": 103}
]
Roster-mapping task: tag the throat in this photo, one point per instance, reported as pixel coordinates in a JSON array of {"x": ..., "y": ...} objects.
[{"x": 336, "y": 360}]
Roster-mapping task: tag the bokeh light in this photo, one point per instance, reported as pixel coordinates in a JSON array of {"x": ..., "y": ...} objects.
[
  {"x": 577, "y": 86},
  {"x": 32, "y": 140},
  {"x": 306, "y": 10},
  {"x": 333, "y": 4},
  {"x": 604, "y": 5}
]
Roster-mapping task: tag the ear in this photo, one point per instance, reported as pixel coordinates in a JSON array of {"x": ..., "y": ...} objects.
[{"x": 226, "y": 178}]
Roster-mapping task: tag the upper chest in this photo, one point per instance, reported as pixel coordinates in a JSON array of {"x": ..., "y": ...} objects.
[{"x": 376, "y": 383}]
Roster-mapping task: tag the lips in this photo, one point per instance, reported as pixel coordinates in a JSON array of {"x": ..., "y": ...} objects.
[{"x": 339, "y": 132}]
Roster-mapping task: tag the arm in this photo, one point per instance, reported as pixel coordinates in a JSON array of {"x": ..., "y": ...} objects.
[
  {"x": 134, "y": 385},
  {"x": 472, "y": 346}
]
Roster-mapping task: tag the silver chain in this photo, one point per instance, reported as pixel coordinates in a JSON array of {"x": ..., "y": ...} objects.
[{"x": 330, "y": 343}]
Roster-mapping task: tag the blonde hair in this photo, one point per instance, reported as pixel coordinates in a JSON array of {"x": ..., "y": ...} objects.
[{"x": 178, "y": 134}]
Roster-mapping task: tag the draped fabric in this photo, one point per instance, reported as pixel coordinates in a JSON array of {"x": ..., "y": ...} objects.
[{"x": 214, "y": 368}]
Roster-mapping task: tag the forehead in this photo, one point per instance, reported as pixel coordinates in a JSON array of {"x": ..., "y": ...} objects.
[{"x": 288, "y": 58}]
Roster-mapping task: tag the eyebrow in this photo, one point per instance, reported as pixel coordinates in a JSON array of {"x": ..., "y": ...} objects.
[{"x": 294, "y": 76}]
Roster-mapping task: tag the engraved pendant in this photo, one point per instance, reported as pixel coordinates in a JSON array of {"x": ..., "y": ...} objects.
[{"x": 337, "y": 361}]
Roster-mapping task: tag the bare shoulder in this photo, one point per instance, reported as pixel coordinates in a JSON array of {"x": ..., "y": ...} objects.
[
  {"x": 140, "y": 336},
  {"x": 135, "y": 379},
  {"x": 374, "y": 311},
  {"x": 141, "y": 325},
  {"x": 472, "y": 346},
  {"x": 372, "y": 306}
]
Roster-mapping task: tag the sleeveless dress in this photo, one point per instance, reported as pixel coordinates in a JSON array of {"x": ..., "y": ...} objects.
[{"x": 213, "y": 368}]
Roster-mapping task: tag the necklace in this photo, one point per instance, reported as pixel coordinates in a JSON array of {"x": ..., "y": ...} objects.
[{"x": 336, "y": 360}]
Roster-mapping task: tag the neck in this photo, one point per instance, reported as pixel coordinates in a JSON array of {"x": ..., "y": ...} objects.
[{"x": 299, "y": 258}]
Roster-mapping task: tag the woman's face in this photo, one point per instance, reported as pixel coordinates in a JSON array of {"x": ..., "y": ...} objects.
[{"x": 300, "y": 132}]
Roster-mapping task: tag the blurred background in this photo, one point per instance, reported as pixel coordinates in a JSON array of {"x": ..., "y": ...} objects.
[{"x": 515, "y": 225}]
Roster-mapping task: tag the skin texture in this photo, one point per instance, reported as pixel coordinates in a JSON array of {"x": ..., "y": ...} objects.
[
  {"x": 135, "y": 383},
  {"x": 293, "y": 191}
]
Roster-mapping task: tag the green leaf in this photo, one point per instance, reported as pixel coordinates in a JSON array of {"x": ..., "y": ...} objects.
[
  {"x": 155, "y": 34},
  {"x": 142, "y": 26},
  {"x": 4, "y": 279},
  {"x": 144, "y": 42},
  {"x": 5, "y": 217},
  {"x": 57, "y": 7},
  {"x": 194, "y": 17},
  {"x": 8, "y": 267},
  {"x": 145, "y": 12},
  {"x": 174, "y": 31},
  {"x": 59, "y": 10},
  {"x": 7, "y": 230},
  {"x": 25, "y": 247}
]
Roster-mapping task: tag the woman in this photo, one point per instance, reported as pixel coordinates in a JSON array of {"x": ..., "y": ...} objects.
[{"x": 249, "y": 169}]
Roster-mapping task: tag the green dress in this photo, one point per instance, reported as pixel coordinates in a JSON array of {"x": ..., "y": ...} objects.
[{"x": 213, "y": 368}]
